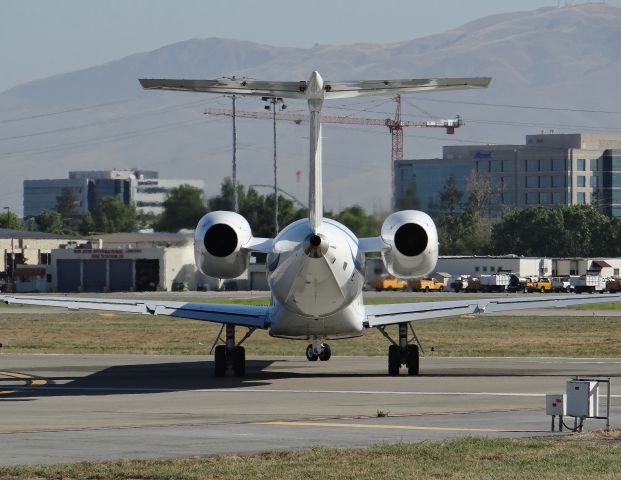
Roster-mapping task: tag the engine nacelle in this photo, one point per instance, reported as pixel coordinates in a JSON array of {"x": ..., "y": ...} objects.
[
  {"x": 413, "y": 241},
  {"x": 218, "y": 243}
]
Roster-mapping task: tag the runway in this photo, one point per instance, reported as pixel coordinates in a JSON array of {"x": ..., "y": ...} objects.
[{"x": 67, "y": 408}]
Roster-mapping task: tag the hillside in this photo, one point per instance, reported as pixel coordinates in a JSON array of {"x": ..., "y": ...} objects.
[{"x": 555, "y": 57}]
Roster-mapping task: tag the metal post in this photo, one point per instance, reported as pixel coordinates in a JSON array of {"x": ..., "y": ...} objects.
[
  {"x": 274, "y": 101},
  {"x": 235, "y": 199}
]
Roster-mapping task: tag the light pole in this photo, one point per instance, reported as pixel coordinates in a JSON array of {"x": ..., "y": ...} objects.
[{"x": 273, "y": 104}]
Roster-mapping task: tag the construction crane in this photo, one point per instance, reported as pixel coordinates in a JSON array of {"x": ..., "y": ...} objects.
[{"x": 395, "y": 126}]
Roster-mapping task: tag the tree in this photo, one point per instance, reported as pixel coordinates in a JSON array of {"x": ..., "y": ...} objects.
[
  {"x": 358, "y": 221},
  {"x": 50, "y": 222},
  {"x": 183, "y": 208},
  {"x": 112, "y": 215},
  {"x": 10, "y": 221},
  {"x": 450, "y": 196},
  {"x": 65, "y": 206},
  {"x": 481, "y": 191},
  {"x": 564, "y": 231},
  {"x": 256, "y": 208}
]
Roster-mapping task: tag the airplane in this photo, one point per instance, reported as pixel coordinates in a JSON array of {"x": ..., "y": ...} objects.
[{"x": 316, "y": 266}]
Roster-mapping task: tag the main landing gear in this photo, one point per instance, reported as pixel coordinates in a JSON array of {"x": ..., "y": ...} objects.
[
  {"x": 230, "y": 354},
  {"x": 403, "y": 352},
  {"x": 318, "y": 351}
]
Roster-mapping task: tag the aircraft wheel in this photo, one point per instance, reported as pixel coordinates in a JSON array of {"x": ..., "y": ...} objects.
[
  {"x": 413, "y": 360},
  {"x": 394, "y": 360},
  {"x": 326, "y": 353},
  {"x": 310, "y": 354},
  {"x": 220, "y": 361},
  {"x": 239, "y": 361}
]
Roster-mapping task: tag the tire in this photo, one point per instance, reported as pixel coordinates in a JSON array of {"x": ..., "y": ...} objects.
[
  {"x": 542, "y": 290},
  {"x": 394, "y": 360},
  {"x": 310, "y": 355},
  {"x": 326, "y": 353},
  {"x": 220, "y": 361},
  {"x": 239, "y": 361},
  {"x": 413, "y": 360},
  {"x": 426, "y": 289},
  {"x": 441, "y": 289}
]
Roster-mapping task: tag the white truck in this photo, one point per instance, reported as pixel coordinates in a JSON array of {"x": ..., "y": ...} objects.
[
  {"x": 588, "y": 283},
  {"x": 562, "y": 284},
  {"x": 494, "y": 283}
]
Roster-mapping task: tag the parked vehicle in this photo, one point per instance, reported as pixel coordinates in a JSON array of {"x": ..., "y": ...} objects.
[
  {"x": 494, "y": 283},
  {"x": 613, "y": 285},
  {"x": 516, "y": 283},
  {"x": 426, "y": 285},
  {"x": 588, "y": 283},
  {"x": 388, "y": 282},
  {"x": 542, "y": 285},
  {"x": 562, "y": 284}
]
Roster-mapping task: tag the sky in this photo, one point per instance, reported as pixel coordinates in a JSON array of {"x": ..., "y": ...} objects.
[{"x": 40, "y": 38}]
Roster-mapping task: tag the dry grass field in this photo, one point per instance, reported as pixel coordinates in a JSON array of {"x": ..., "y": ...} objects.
[
  {"x": 575, "y": 457},
  {"x": 22, "y": 330}
]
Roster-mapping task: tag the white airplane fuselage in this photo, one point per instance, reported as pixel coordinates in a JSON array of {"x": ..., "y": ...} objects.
[{"x": 316, "y": 279}]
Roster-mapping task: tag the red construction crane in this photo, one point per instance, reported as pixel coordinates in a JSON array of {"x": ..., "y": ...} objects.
[{"x": 395, "y": 126}]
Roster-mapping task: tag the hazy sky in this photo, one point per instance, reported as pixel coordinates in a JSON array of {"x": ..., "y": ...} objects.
[{"x": 39, "y": 38}]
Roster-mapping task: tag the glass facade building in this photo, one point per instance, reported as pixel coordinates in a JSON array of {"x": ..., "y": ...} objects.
[{"x": 548, "y": 170}]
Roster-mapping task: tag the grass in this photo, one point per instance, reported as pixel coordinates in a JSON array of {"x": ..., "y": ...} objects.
[
  {"x": 467, "y": 458},
  {"x": 592, "y": 336}
]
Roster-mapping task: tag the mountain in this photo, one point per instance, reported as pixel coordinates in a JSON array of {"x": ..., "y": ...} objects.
[{"x": 565, "y": 58}]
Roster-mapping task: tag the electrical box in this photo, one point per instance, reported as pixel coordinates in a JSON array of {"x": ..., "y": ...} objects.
[
  {"x": 555, "y": 404},
  {"x": 582, "y": 398}
]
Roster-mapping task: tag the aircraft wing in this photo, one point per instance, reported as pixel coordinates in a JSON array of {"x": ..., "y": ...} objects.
[
  {"x": 244, "y": 315},
  {"x": 378, "y": 315},
  {"x": 229, "y": 87},
  {"x": 391, "y": 87},
  {"x": 298, "y": 89}
]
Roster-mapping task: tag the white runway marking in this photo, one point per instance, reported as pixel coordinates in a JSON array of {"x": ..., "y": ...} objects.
[{"x": 285, "y": 391}]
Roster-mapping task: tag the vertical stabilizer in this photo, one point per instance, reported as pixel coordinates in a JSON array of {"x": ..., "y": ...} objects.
[{"x": 315, "y": 94}]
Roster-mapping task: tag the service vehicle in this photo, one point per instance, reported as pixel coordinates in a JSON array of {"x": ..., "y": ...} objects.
[
  {"x": 388, "y": 282},
  {"x": 562, "y": 284},
  {"x": 427, "y": 284},
  {"x": 494, "y": 283},
  {"x": 589, "y": 283},
  {"x": 613, "y": 285},
  {"x": 542, "y": 285}
]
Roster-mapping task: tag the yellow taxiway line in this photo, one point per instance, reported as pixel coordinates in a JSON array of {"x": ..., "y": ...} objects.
[
  {"x": 385, "y": 427},
  {"x": 31, "y": 381}
]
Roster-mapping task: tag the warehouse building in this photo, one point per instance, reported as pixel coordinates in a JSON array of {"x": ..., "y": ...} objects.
[{"x": 26, "y": 259}]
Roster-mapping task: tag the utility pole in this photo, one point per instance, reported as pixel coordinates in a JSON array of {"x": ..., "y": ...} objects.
[
  {"x": 235, "y": 199},
  {"x": 273, "y": 104}
]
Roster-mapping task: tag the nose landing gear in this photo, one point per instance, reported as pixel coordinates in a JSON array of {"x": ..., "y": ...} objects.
[{"x": 318, "y": 351}]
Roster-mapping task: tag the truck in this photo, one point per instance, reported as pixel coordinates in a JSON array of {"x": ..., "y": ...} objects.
[
  {"x": 613, "y": 285},
  {"x": 466, "y": 283},
  {"x": 516, "y": 283},
  {"x": 562, "y": 284},
  {"x": 427, "y": 284},
  {"x": 588, "y": 283},
  {"x": 388, "y": 282},
  {"x": 494, "y": 283},
  {"x": 542, "y": 284}
]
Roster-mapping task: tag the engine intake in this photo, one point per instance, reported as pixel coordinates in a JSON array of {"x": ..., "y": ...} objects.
[
  {"x": 218, "y": 244},
  {"x": 413, "y": 241}
]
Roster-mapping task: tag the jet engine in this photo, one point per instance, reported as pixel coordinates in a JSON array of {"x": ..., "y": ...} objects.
[
  {"x": 218, "y": 243},
  {"x": 413, "y": 241}
]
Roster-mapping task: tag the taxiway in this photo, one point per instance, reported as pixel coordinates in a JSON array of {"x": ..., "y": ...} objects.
[{"x": 67, "y": 408}]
